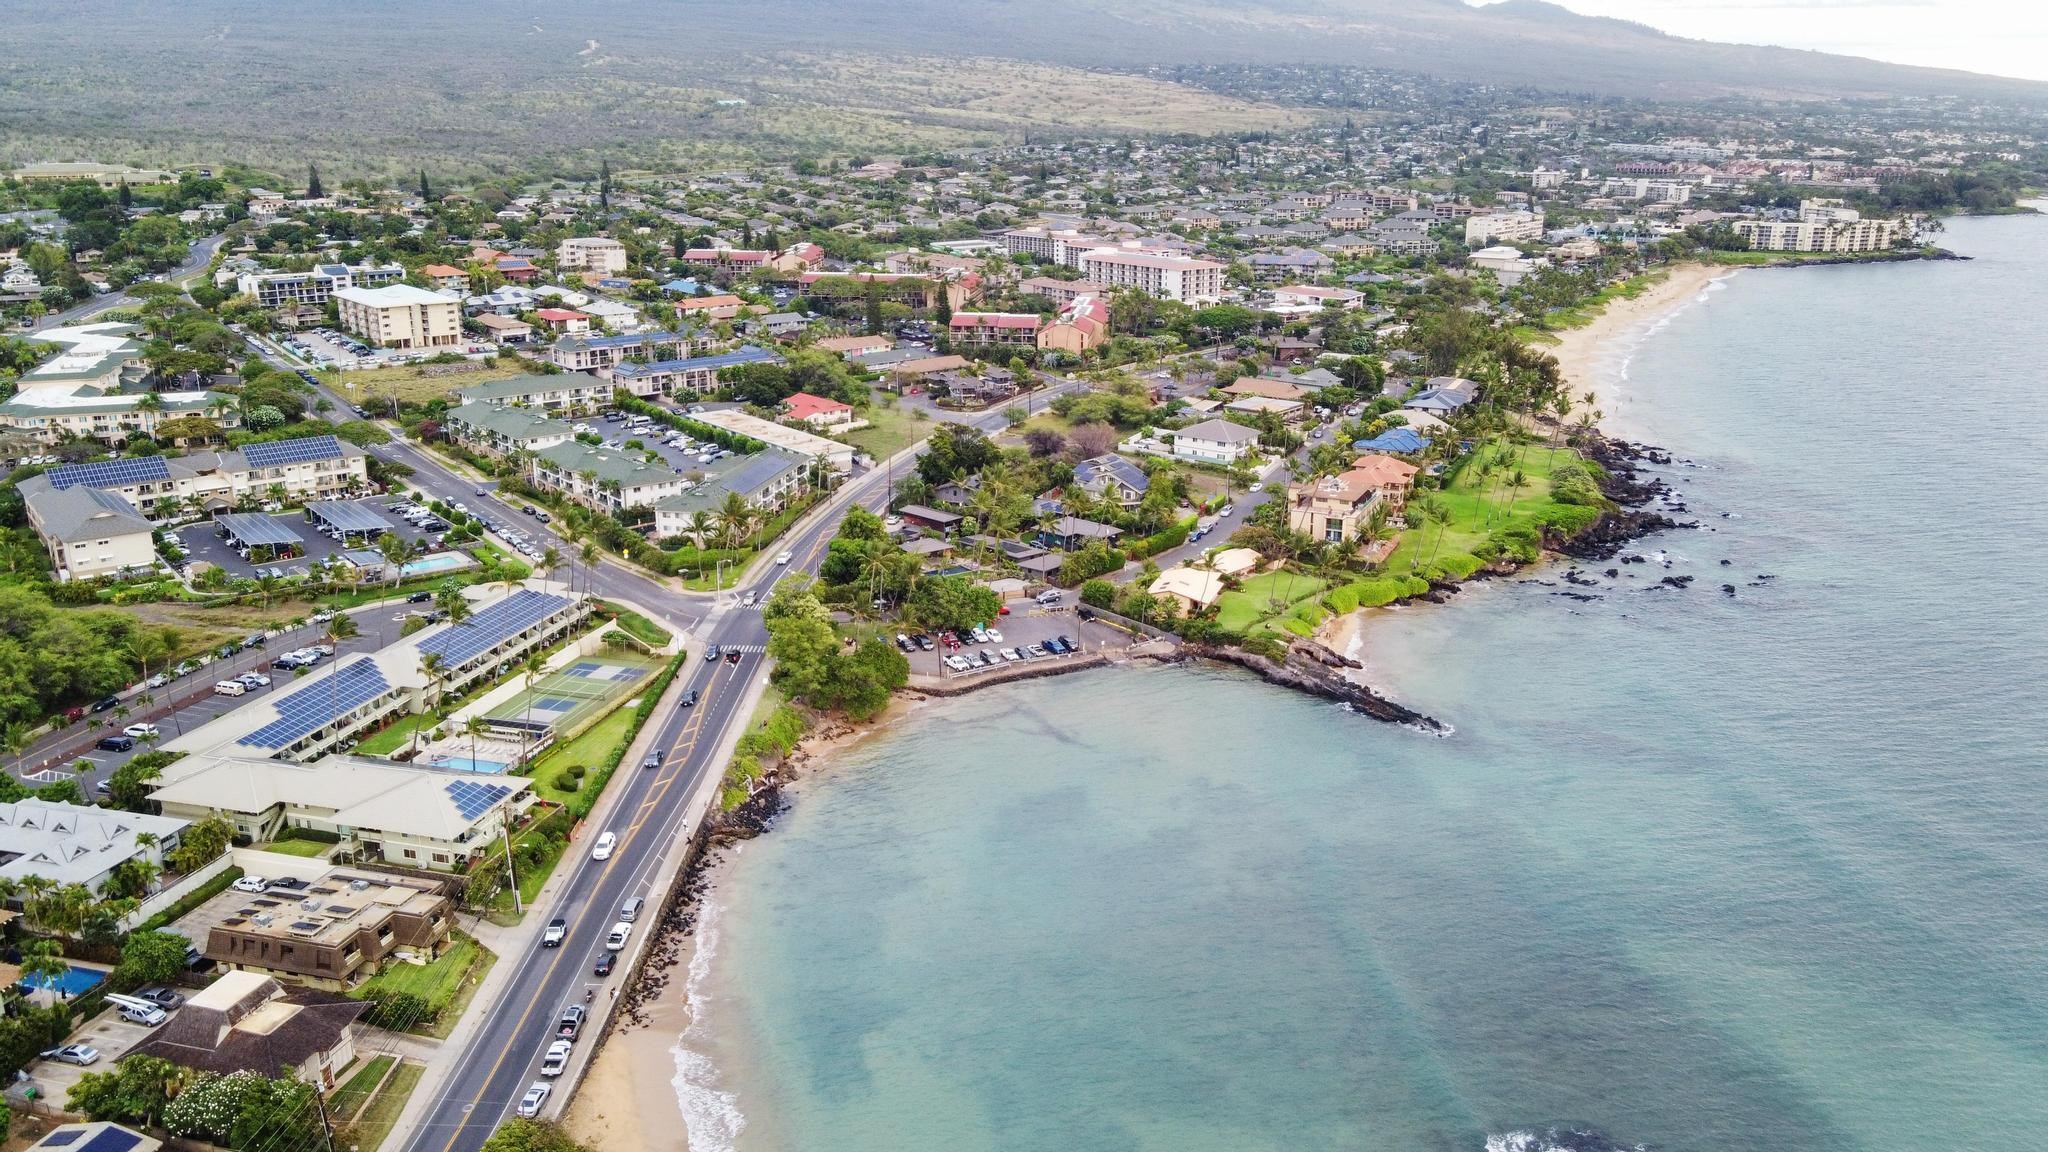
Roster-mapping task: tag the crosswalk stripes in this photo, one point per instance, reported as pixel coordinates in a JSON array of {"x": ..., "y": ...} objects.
[{"x": 753, "y": 649}]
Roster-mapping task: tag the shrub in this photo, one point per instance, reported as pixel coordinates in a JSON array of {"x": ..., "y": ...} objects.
[
  {"x": 1100, "y": 593},
  {"x": 568, "y": 781},
  {"x": 398, "y": 1011}
]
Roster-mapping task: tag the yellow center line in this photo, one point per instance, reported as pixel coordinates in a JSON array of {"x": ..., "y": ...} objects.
[{"x": 657, "y": 794}]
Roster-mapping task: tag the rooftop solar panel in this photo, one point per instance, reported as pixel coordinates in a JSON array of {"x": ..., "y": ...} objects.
[
  {"x": 299, "y": 451},
  {"x": 473, "y": 799},
  {"x": 110, "y": 473},
  {"x": 492, "y": 626},
  {"x": 346, "y": 516},
  {"x": 319, "y": 702},
  {"x": 257, "y": 530},
  {"x": 111, "y": 1140},
  {"x": 61, "y": 1137}
]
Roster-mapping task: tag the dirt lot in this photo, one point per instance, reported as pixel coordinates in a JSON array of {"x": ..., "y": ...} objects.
[{"x": 419, "y": 383}]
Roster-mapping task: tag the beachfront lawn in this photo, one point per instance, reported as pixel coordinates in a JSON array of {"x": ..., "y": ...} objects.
[
  {"x": 1482, "y": 501},
  {"x": 890, "y": 430},
  {"x": 1268, "y": 599}
]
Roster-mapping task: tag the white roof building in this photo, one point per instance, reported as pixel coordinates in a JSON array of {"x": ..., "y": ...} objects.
[{"x": 74, "y": 844}]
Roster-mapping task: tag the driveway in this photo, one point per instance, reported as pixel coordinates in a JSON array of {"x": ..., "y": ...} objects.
[{"x": 108, "y": 1033}]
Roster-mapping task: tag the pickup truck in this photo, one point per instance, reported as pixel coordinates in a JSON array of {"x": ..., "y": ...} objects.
[{"x": 571, "y": 1022}]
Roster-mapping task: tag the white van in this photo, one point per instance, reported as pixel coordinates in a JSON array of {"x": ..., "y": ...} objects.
[
  {"x": 602, "y": 850},
  {"x": 230, "y": 688},
  {"x": 630, "y": 910}
]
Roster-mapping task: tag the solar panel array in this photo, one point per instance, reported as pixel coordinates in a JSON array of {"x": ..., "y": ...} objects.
[
  {"x": 347, "y": 517},
  {"x": 257, "y": 530},
  {"x": 473, "y": 799},
  {"x": 492, "y": 626},
  {"x": 111, "y": 1140},
  {"x": 299, "y": 451},
  {"x": 59, "y": 1139},
  {"x": 110, "y": 473},
  {"x": 316, "y": 705}
]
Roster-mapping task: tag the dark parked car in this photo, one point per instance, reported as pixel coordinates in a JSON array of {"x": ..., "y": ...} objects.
[
  {"x": 162, "y": 997},
  {"x": 420, "y": 598},
  {"x": 605, "y": 963},
  {"x": 109, "y": 702},
  {"x": 115, "y": 743}
]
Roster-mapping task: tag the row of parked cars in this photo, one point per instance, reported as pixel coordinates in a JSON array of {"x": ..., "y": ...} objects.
[
  {"x": 569, "y": 1024},
  {"x": 975, "y": 660}
]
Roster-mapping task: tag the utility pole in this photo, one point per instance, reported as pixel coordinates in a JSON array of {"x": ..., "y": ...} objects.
[
  {"x": 326, "y": 1125},
  {"x": 511, "y": 879}
]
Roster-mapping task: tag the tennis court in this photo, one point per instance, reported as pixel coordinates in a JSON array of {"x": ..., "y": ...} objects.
[{"x": 566, "y": 697}]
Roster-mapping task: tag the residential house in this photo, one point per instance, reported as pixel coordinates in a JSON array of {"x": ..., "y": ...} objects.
[
  {"x": 1335, "y": 509},
  {"x": 1215, "y": 442},
  {"x": 854, "y": 345},
  {"x": 1397, "y": 441},
  {"x": 97, "y": 1135},
  {"x": 1307, "y": 298},
  {"x": 818, "y": 411},
  {"x": 1072, "y": 533},
  {"x": 1112, "y": 478},
  {"x": 446, "y": 278},
  {"x": 1391, "y": 478},
  {"x": 504, "y": 329},
  {"x": 1290, "y": 412},
  {"x": 929, "y": 519},
  {"x": 563, "y": 321},
  {"x": 247, "y": 1020},
  {"x": 1190, "y": 590}
]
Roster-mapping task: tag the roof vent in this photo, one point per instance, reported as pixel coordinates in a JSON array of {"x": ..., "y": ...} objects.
[{"x": 359, "y": 885}]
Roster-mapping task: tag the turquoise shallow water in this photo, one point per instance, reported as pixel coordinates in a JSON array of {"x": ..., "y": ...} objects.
[{"x": 1766, "y": 871}]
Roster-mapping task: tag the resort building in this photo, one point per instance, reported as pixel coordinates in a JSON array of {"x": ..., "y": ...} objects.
[
  {"x": 316, "y": 287},
  {"x": 304, "y": 468},
  {"x": 501, "y": 432},
  {"x": 79, "y": 844},
  {"x": 693, "y": 374},
  {"x": 401, "y": 316},
  {"x": 1083, "y": 324},
  {"x": 1831, "y": 229},
  {"x": 1502, "y": 227},
  {"x": 607, "y": 479},
  {"x": 993, "y": 328},
  {"x": 90, "y": 533},
  {"x": 595, "y": 253},
  {"x": 835, "y": 456},
  {"x": 1167, "y": 275},
  {"x": 768, "y": 481}
]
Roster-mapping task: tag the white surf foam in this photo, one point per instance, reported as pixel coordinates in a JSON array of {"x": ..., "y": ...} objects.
[{"x": 711, "y": 1115}]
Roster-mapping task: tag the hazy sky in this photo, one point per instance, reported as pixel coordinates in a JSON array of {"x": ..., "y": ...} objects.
[{"x": 2006, "y": 37}]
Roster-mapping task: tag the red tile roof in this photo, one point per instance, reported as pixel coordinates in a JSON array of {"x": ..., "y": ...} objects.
[{"x": 803, "y": 406}]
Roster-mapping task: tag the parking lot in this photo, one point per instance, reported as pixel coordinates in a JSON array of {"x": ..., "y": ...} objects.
[
  {"x": 333, "y": 348},
  {"x": 677, "y": 457},
  {"x": 202, "y": 541},
  {"x": 108, "y": 1034},
  {"x": 1028, "y": 623}
]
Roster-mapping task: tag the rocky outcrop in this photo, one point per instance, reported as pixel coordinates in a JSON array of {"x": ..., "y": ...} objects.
[
  {"x": 1622, "y": 482},
  {"x": 1319, "y": 671}
]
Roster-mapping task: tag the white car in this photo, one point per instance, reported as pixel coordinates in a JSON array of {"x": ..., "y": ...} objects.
[
  {"x": 617, "y": 939},
  {"x": 230, "y": 688},
  {"x": 784, "y": 557},
  {"x": 251, "y": 884},
  {"x": 139, "y": 730},
  {"x": 1258, "y": 488},
  {"x": 531, "y": 1103},
  {"x": 602, "y": 850},
  {"x": 556, "y": 1061},
  {"x": 994, "y": 637},
  {"x": 748, "y": 599},
  {"x": 320, "y": 617}
]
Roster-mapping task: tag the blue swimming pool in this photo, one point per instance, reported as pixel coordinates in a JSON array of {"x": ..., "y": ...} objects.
[
  {"x": 438, "y": 562},
  {"x": 469, "y": 764},
  {"x": 73, "y": 983}
]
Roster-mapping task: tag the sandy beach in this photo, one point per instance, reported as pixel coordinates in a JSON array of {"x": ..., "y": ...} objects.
[
  {"x": 1592, "y": 357},
  {"x": 629, "y": 1098}
]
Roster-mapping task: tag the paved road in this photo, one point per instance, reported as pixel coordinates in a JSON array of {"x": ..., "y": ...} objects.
[{"x": 199, "y": 257}]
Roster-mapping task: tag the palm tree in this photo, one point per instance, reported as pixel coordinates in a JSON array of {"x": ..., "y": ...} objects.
[
  {"x": 535, "y": 667},
  {"x": 268, "y": 585},
  {"x": 42, "y": 963},
  {"x": 15, "y": 740},
  {"x": 451, "y": 601},
  {"x": 430, "y": 667},
  {"x": 588, "y": 554},
  {"x": 737, "y": 516},
  {"x": 550, "y": 559},
  {"x": 473, "y": 728},
  {"x": 703, "y": 522}
]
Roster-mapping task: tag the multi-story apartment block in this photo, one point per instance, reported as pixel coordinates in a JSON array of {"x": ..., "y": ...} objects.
[
  {"x": 730, "y": 261},
  {"x": 1649, "y": 191},
  {"x": 993, "y": 328},
  {"x": 499, "y": 431},
  {"x": 314, "y": 288},
  {"x": 1170, "y": 276},
  {"x": 595, "y": 353},
  {"x": 1054, "y": 246},
  {"x": 1499, "y": 227},
  {"x": 590, "y": 253},
  {"x": 401, "y": 316},
  {"x": 603, "y": 478},
  {"x": 332, "y": 932},
  {"x": 1859, "y": 235},
  {"x": 307, "y": 468},
  {"x": 696, "y": 374},
  {"x": 1061, "y": 292}
]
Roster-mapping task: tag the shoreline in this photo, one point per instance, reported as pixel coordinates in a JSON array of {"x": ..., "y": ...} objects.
[{"x": 1594, "y": 356}]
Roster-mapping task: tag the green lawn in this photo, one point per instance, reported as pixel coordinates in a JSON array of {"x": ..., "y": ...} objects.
[
  {"x": 390, "y": 739},
  {"x": 446, "y": 984},
  {"x": 351, "y": 1096},
  {"x": 1480, "y": 505},
  {"x": 890, "y": 430},
  {"x": 307, "y": 848},
  {"x": 591, "y": 750},
  {"x": 1265, "y": 598},
  {"x": 634, "y": 624},
  {"x": 368, "y": 1132}
]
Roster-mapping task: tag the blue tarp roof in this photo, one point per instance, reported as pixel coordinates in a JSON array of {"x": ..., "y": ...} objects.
[
  {"x": 1394, "y": 441},
  {"x": 681, "y": 287}
]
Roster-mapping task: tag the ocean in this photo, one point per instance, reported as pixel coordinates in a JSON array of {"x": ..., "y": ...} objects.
[{"x": 1756, "y": 868}]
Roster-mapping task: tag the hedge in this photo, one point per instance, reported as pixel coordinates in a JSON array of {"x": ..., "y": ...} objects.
[
  {"x": 1373, "y": 592},
  {"x": 1161, "y": 541},
  {"x": 697, "y": 429}
]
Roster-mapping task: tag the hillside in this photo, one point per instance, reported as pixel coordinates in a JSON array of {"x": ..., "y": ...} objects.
[{"x": 386, "y": 84}]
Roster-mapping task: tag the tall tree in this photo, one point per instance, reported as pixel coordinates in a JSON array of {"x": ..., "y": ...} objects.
[
  {"x": 313, "y": 189},
  {"x": 604, "y": 184},
  {"x": 426, "y": 192}
]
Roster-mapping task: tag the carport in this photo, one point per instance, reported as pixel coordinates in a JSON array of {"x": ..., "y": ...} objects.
[
  {"x": 346, "y": 522},
  {"x": 248, "y": 531}
]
